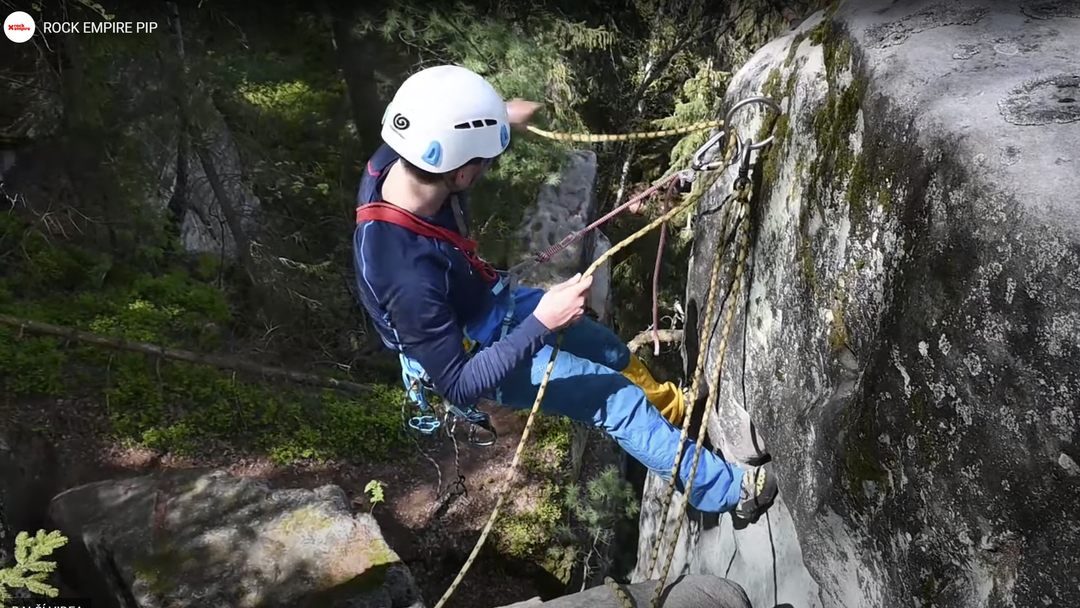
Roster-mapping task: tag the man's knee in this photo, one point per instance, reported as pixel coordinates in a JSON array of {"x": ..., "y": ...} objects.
[
  {"x": 625, "y": 402},
  {"x": 599, "y": 337}
]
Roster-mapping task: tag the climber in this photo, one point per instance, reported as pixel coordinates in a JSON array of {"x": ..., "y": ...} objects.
[{"x": 460, "y": 325}]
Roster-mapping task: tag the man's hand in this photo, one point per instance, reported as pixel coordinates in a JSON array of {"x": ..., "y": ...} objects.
[
  {"x": 564, "y": 303},
  {"x": 520, "y": 112}
]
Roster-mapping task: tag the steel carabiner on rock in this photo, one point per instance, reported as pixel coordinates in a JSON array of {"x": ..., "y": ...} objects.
[
  {"x": 720, "y": 140},
  {"x": 698, "y": 163}
]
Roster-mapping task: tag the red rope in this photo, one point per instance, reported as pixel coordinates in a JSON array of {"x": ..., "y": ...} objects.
[
  {"x": 544, "y": 256},
  {"x": 656, "y": 276}
]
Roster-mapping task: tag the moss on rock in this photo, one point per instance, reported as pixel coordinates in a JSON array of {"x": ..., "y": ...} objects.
[{"x": 862, "y": 459}]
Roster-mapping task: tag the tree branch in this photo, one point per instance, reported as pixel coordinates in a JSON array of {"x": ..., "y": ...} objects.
[
  {"x": 176, "y": 354},
  {"x": 645, "y": 337}
]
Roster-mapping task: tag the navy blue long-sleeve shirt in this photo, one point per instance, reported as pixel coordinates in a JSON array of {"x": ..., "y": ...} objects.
[{"x": 421, "y": 292}]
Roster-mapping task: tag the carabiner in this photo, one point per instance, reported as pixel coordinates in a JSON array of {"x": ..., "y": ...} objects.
[
  {"x": 742, "y": 180},
  {"x": 476, "y": 420},
  {"x": 427, "y": 425},
  {"x": 697, "y": 162},
  {"x": 749, "y": 100},
  {"x": 486, "y": 427},
  {"x": 720, "y": 140}
]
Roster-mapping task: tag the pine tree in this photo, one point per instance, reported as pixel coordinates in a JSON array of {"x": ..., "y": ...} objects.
[
  {"x": 606, "y": 502},
  {"x": 31, "y": 571}
]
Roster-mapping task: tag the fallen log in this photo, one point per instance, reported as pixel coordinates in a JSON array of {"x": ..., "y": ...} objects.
[{"x": 176, "y": 354}]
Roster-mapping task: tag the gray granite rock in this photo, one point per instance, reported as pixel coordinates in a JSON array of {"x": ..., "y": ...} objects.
[
  {"x": 559, "y": 211},
  {"x": 908, "y": 354},
  {"x": 200, "y": 538},
  {"x": 693, "y": 591}
]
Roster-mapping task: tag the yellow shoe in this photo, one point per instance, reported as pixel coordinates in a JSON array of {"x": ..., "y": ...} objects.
[{"x": 666, "y": 397}]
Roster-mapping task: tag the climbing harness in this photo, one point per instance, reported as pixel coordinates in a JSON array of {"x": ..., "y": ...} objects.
[
  {"x": 385, "y": 212},
  {"x": 418, "y": 384},
  {"x": 732, "y": 148}
]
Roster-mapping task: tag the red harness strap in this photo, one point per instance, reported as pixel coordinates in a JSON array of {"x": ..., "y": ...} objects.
[{"x": 385, "y": 212}]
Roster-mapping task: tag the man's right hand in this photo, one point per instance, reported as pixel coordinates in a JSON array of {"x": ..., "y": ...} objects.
[{"x": 564, "y": 303}]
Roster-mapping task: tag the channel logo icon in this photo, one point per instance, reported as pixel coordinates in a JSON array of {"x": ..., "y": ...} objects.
[{"x": 19, "y": 27}]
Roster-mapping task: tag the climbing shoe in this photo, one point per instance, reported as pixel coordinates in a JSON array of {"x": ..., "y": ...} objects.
[{"x": 759, "y": 489}]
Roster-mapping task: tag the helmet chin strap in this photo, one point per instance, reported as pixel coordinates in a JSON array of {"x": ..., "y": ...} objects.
[
  {"x": 459, "y": 217},
  {"x": 455, "y": 205}
]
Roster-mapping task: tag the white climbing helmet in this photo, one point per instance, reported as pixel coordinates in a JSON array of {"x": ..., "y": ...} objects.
[{"x": 445, "y": 116}]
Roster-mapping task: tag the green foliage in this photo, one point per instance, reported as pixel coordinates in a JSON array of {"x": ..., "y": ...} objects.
[
  {"x": 374, "y": 491},
  {"x": 165, "y": 405},
  {"x": 598, "y": 512},
  {"x": 553, "y": 438},
  {"x": 526, "y": 533},
  {"x": 31, "y": 571},
  {"x": 698, "y": 100},
  {"x": 606, "y": 500},
  {"x": 279, "y": 89}
]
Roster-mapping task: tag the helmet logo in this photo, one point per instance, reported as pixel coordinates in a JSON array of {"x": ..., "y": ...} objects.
[
  {"x": 504, "y": 136},
  {"x": 433, "y": 156},
  {"x": 400, "y": 122}
]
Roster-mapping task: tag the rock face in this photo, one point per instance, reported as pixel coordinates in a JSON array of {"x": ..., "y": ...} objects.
[
  {"x": 182, "y": 177},
  {"x": 197, "y": 538},
  {"x": 693, "y": 591},
  {"x": 203, "y": 227},
  {"x": 562, "y": 210},
  {"x": 907, "y": 339}
]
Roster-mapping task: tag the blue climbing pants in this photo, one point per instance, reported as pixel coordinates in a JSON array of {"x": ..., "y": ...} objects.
[{"x": 586, "y": 385}]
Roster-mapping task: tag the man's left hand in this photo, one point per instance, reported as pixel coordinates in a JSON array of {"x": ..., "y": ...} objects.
[{"x": 520, "y": 112}]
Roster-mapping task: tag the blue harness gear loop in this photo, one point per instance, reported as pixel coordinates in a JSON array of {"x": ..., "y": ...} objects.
[{"x": 418, "y": 383}]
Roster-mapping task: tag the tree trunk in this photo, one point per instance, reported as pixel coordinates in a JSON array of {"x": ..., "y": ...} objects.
[
  {"x": 186, "y": 91},
  {"x": 356, "y": 60},
  {"x": 232, "y": 216}
]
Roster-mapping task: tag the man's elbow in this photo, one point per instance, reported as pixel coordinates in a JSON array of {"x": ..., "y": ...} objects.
[
  {"x": 460, "y": 394},
  {"x": 458, "y": 389}
]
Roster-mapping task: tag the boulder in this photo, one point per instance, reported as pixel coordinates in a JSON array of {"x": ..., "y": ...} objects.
[
  {"x": 907, "y": 336},
  {"x": 559, "y": 211},
  {"x": 694, "y": 591},
  {"x": 205, "y": 538}
]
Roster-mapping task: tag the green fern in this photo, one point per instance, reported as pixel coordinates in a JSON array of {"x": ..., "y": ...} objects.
[{"x": 30, "y": 570}]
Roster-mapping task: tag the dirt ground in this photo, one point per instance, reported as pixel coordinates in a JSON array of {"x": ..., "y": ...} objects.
[{"x": 434, "y": 546}]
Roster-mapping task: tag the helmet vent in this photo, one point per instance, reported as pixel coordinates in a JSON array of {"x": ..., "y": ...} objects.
[{"x": 477, "y": 124}]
